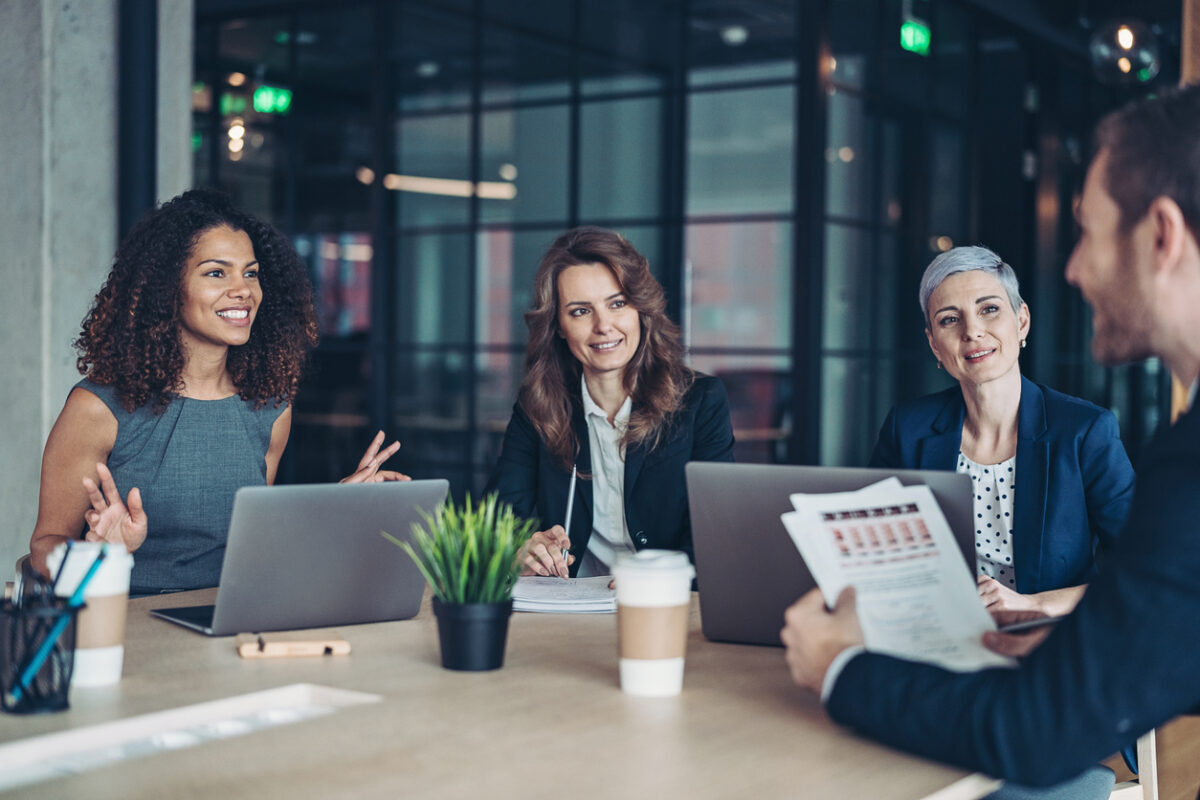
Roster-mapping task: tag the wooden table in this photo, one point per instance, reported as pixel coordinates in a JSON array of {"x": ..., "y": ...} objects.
[{"x": 552, "y": 723}]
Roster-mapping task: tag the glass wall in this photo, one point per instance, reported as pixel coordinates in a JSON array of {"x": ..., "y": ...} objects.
[{"x": 423, "y": 153}]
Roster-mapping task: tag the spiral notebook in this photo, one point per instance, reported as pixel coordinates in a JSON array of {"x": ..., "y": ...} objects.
[{"x": 565, "y": 595}]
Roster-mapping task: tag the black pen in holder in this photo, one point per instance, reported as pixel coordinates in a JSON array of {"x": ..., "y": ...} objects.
[{"x": 24, "y": 632}]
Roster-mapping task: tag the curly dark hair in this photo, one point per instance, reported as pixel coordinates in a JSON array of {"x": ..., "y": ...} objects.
[{"x": 131, "y": 335}]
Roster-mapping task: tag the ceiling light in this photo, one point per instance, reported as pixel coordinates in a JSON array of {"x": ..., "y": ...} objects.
[{"x": 734, "y": 35}]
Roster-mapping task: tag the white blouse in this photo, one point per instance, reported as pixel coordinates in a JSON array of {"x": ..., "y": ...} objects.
[
  {"x": 994, "y": 486},
  {"x": 610, "y": 532}
]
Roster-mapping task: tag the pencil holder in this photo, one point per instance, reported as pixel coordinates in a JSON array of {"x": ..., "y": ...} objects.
[{"x": 42, "y": 628}]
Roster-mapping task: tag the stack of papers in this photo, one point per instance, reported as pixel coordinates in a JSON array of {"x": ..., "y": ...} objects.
[
  {"x": 565, "y": 595},
  {"x": 916, "y": 597}
]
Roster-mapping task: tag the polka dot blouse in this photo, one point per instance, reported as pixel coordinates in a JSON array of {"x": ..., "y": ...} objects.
[{"x": 994, "y": 487}]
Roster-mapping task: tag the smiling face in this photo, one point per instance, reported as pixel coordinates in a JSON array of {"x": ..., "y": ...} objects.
[
  {"x": 1103, "y": 265},
  {"x": 973, "y": 329},
  {"x": 221, "y": 292},
  {"x": 601, "y": 328}
]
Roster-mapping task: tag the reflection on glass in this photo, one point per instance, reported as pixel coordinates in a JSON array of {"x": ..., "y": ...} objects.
[
  {"x": 849, "y": 288},
  {"x": 340, "y": 268},
  {"x": 891, "y": 203},
  {"x": 734, "y": 43},
  {"x": 952, "y": 59},
  {"x": 759, "y": 389},
  {"x": 528, "y": 148},
  {"x": 609, "y": 76},
  {"x": 848, "y": 430},
  {"x": 507, "y": 261},
  {"x": 523, "y": 68},
  {"x": 737, "y": 285},
  {"x": 740, "y": 151},
  {"x": 948, "y": 190},
  {"x": 620, "y": 144},
  {"x": 738, "y": 73},
  {"x": 431, "y": 58},
  {"x": 431, "y": 301},
  {"x": 848, "y": 157},
  {"x": 549, "y": 18},
  {"x": 851, "y": 40},
  {"x": 498, "y": 375},
  {"x": 430, "y": 392},
  {"x": 436, "y": 146},
  {"x": 333, "y": 60}
]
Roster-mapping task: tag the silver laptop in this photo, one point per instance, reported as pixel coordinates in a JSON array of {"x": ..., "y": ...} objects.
[
  {"x": 747, "y": 568},
  {"x": 311, "y": 556}
]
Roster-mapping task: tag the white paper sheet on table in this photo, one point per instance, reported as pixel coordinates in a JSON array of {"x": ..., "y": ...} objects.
[
  {"x": 565, "y": 595},
  {"x": 915, "y": 595}
]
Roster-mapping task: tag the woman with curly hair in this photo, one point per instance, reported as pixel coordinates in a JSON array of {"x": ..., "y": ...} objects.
[
  {"x": 607, "y": 397},
  {"x": 192, "y": 353}
]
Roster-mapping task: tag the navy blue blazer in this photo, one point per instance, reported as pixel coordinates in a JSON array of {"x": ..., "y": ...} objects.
[
  {"x": 1127, "y": 659},
  {"x": 656, "y": 506},
  {"x": 1073, "y": 478}
]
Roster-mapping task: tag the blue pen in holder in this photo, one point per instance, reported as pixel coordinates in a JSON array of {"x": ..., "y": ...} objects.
[{"x": 41, "y": 627}]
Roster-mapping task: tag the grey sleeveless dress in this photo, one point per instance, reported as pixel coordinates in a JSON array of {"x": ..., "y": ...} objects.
[{"x": 188, "y": 462}]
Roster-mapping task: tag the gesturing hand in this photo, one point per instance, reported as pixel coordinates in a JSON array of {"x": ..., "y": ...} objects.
[
  {"x": 111, "y": 520},
  {"x": 368, "y": 466}
]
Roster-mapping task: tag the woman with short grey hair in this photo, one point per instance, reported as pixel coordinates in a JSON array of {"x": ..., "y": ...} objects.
[{"x": 1052, "y": 481}]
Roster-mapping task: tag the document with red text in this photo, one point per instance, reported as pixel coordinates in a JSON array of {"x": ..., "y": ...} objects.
[{"x": 915, "y": 596}]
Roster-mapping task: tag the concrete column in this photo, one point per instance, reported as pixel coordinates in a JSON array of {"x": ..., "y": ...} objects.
[
  {"x": 176, "y": 44},
  {"x": 58, "y": 214},
  {"x": 56, "y": 222}
]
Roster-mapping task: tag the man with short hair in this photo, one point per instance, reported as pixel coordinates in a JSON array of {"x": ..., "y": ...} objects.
[{"x": 1128, "y": 658}]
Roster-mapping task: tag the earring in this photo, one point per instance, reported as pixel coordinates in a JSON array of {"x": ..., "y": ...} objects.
[
  {"x": 1022, "y": 344},
  {"x": 939, "y": 364}
]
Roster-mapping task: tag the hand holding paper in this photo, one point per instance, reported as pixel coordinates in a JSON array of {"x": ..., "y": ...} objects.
[{"x": 915, "y": 595}]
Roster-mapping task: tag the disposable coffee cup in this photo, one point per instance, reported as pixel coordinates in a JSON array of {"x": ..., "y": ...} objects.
[
  {"x": 654, "y": 593},
  {"x": 100, "y": 634}
]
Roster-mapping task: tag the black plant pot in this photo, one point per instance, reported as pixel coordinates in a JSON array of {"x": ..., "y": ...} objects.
[{"x": 472, "y": 635}]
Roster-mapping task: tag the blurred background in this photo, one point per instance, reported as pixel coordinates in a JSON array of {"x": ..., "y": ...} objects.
[{"x": 789, "y": 168}]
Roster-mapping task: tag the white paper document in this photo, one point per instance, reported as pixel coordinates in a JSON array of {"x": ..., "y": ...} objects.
[
  {"x": 565, "y": 595},
  {"x": 915, "y": 595}
]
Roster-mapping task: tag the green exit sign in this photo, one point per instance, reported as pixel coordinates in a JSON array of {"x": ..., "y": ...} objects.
[
  {"x": 915, "y": 36},
  {"x": 272, "y": 100}
]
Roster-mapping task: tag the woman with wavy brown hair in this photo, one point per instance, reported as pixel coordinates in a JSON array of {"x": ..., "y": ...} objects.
[
  {"x": 606, "y": 397},
  {"x": 192, "y": 353}
]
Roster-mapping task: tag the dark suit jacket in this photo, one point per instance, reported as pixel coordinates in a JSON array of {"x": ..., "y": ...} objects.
[
  {"x": 656, "y": 506},
  {"x": 1073, "y": 478},
  {"x": 1126, "y": 661}
]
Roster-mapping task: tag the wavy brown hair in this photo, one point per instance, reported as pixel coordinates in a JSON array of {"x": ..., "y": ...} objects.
[
  {"x": 656, "y": 377},
  {"x": 130, "y": 337}
]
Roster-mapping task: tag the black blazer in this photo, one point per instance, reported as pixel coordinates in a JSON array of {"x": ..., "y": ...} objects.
[
  {"x": 1126, "y": 661},
  {"x": 656, "y": 506},
  {"x": 1074, "y": 482}
]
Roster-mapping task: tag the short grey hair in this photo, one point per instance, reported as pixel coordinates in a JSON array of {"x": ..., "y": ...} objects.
[{"x": 967, "y": 259}]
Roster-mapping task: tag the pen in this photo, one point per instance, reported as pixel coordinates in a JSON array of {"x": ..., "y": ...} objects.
[
  {"x": 39, "y": 658},
  {"x": 570, "y": 505}
]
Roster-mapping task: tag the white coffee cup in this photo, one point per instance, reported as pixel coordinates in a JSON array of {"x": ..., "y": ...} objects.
[
  {"x": 654, "y": 593},
  {"x": 100, "y": 631}
]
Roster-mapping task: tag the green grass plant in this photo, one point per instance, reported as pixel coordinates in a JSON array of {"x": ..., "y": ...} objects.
[{"x": 469, "y": 553}]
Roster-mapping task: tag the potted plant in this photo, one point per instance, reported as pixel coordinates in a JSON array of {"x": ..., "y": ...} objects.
[{"x": 470, "y": 554}]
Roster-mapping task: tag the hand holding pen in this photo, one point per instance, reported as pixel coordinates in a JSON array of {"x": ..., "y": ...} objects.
[
  {"x": 543, "y": 546},
  {"x": 544, "y": 553}
]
